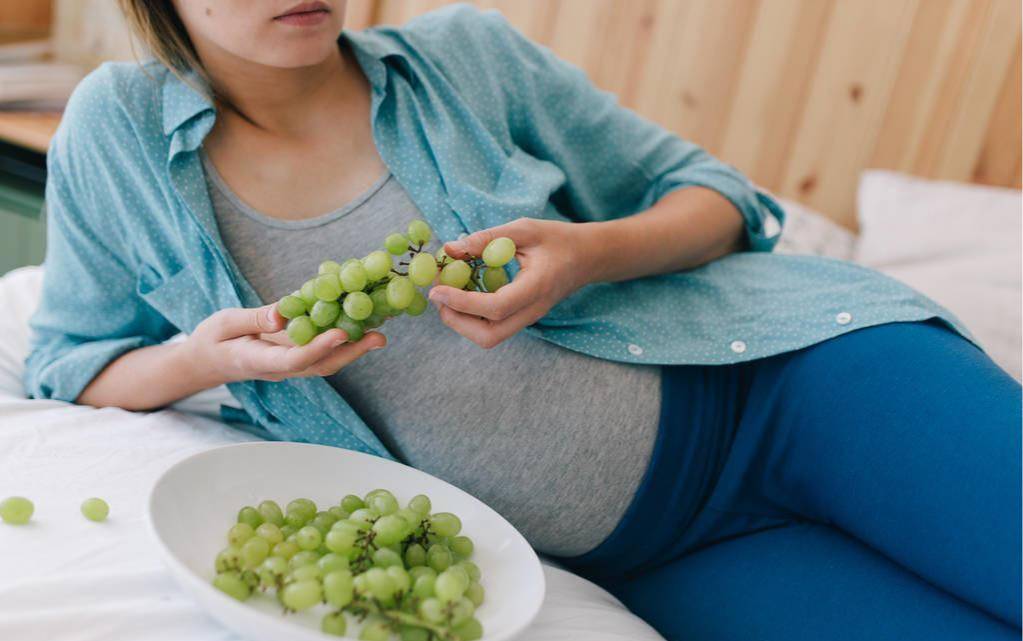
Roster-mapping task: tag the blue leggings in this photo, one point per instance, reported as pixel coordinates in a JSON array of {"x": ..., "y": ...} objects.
[{"x": 864, "y": 488}]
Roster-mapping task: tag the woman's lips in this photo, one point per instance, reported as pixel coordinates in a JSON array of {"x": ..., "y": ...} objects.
[{"x": 304, "y": 18}]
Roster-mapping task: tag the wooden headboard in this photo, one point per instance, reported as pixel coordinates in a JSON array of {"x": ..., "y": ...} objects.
[{"x": 799, "y": 94}]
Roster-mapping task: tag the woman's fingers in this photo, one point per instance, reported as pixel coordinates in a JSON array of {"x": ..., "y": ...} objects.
[
  {"x": 345, "y": 355},
  {"x": 524, "y": 231},
  {"x": 487, "y": 333},
  {"x": 232, "y": 323},
  {"x": 497, "y": 306}
]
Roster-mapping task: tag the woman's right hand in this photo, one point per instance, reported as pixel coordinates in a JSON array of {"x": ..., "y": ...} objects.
[{"x": 249, "y": 344}]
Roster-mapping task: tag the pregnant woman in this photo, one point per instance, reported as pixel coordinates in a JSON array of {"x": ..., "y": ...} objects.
[{"x": 739, "y": 445}]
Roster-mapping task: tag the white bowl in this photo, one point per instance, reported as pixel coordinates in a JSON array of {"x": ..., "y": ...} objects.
[{"x": 194, "y": 503}]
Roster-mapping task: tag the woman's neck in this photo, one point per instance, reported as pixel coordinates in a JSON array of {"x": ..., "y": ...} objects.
[{"x": 286, "y": 102}]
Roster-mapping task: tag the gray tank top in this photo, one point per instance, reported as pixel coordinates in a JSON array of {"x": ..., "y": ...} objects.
[{"x": 555, "y": 441}]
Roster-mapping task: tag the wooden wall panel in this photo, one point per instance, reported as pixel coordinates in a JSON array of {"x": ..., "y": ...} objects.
[{"x": 802, "y": 95}]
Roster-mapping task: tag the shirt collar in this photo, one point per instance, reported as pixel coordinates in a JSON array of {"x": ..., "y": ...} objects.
[{"x": 184, "y": 97}]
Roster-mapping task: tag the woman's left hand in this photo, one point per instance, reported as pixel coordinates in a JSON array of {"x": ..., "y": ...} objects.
[{"x": 554, "y": 259}]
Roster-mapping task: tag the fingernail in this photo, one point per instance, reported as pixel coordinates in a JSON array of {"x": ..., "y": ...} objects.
[
  {"x": 337, "y": 343},
  {"x": 376, "y": 347}
]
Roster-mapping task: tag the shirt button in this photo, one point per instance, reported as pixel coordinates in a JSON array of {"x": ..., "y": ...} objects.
[
  {"x": 738, "y": 347},
  {"x": 635, "y": 349},
  {"x": 843, "y": 318}
]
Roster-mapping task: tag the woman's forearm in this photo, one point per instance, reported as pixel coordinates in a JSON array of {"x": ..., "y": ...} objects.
[
  {"x": 685, "y": 229},
  {"x": 147, "y": 378}
]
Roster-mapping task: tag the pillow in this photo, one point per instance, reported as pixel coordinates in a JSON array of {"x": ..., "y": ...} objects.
[
  {"x": 809, "y": 232},
  {"x": 20, "y": 290},
  {"x": 958, "y": 244}
]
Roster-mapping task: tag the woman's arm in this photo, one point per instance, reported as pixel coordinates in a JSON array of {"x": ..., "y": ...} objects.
[
  {"x": 685, "y": 229},
  {"x": 231, "y": 345}
]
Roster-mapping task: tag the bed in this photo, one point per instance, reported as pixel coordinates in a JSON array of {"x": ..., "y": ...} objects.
[{"x": 63, "y": 578}]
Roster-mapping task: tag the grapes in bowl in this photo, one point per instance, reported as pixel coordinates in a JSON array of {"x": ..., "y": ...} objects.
[{"x": 298, "y": 541}]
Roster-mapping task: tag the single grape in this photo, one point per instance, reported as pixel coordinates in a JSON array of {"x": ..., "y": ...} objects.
[
  {"x": 352, "y": 328},
  {"x": 380, "y": 304},
  {"x": 377, "y": 264},
  {"x": 358, "y": 305},
  {"x": 325, "y": 312},
  {"x": 499, "y": 252},
  {"x": 303, "y": 557},
  {"x": 231, "y": 584},
  {"x": 415, "y": 555},
  {"x": 384, "y": 503},
  {"x": 271, "y": 513},
  {"x": 432, "y": 610},
  {"x": 327, "y": 287},
  {"x": 341, "y": 538},
  {"x": 296, "y": 521},
  {"x": 254, "y": 552},
  {"x": 308, "y": 292},
  {"x": 301, "y": 330},
  {"x": 354, "y": 277},
  {"x": 396, "y": 244},
  {"x": 461, "y": 610},
  {"x": 308, "y": 538},
  {"x": 249, "y": 515},
  {"x": 456, "y": 274},
  {"x": 334, "y": 623},
  {"x": 422, "y": 269},
  {"x": 413, "y": 633},
  {"x": 421, "y": 504},
  {"x": 271, "y": 571},
  {"x": 438, "y": 557},
  {"x": 375, "y": 629},
  {"x": 400, "y": 292},
  {"x": 423, "y": 586},
  {"x": 450, "y": 585},
  {"x": 302, "y": 595},
  {"x": 366, "y": 515},
  {"x": 329, "y": 267},
  {"x": 306, "y": 572},
  {"x": 332, "y": 561},
  {"x": 389, "y": 529},
  {"x": 445, "y": 524},
  {"x": 338, "y": 512},
  {"x": 302, "y": 506},
  {"x": 419, "y": 232},
  {"x": 462, "y": 546},
  {"x": 228, "y": 559},
  {"x": 475, "y": 593},
  {"x": 373, "y": 321},
  {"x": 442, "y": 257},
  {"x": 323, "y": 521},
  {"x": 380, "y": 584},
  {"x": 471, "y": 569},
  {"x": 494, "y": 278},
  {"x": 270, "y": 533},
  {"x": 291, "y": 306},
  {"x": 418, "y": 304},
  {"x": 239, "y": 534},
  {"x": 386, "y": 557},
  {"x": 402, "y": 581},
  {"x": 469, "y": 630},
  {"x": 285, "y": 549}
]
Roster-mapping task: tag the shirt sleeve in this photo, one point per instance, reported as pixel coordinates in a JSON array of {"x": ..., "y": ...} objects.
[
  {"x": 90, "y": 312},
  {"x": 616, "y": 162}
]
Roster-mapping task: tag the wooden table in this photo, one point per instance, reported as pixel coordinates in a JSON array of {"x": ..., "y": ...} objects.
[{"x": 29, "y": 129}]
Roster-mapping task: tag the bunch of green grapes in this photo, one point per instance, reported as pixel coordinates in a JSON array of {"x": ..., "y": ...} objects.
[
  {"x": 360, "y": 294},
  {"x": 402, "y": 571}
]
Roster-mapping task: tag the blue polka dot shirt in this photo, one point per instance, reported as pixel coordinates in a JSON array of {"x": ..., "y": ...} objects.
[{"x": 480, "y": 126}]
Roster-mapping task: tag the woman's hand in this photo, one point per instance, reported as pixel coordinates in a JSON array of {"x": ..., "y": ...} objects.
[
  {"x": 247, "y": 344},
  {"x": 554, "y": 261}
]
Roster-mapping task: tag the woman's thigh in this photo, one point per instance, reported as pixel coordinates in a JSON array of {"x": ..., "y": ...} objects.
[
  {"x": 803, "y": 581},
  {"x": 904, "y": 436}
]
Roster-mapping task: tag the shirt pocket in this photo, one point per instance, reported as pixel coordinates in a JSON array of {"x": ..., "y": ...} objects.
[{"x": 174, "y": 296}]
